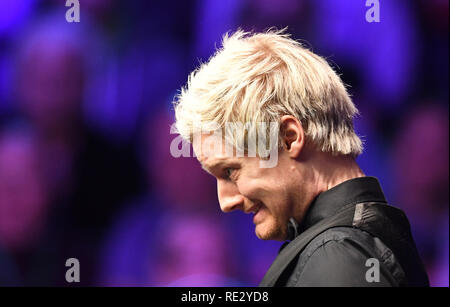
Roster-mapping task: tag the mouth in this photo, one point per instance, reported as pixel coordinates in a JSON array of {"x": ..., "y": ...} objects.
[{"x": 255, "y": 210}]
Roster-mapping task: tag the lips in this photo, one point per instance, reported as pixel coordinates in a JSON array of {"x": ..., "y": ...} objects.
[
  {"x": 256, "y": 213},
  {"x": 254, "y": 209},
  {"x": 257, "y": 216}
]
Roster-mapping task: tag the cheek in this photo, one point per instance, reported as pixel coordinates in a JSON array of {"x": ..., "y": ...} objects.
[
  {"x": 270, "y": 186},
  {"x": 271, "y": 193},
  {"x": 255, "y": 189}
]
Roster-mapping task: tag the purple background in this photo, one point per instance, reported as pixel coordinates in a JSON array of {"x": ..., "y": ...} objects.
[{"x": 85, "y": 110}]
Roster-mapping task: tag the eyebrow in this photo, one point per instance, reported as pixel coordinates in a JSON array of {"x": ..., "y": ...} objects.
[
  {"x": 212, "y": 166},
  {"x": 215, "y": 165}
]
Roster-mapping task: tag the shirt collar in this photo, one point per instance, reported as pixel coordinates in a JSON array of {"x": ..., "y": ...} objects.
[{"x": 327, "y": 203}]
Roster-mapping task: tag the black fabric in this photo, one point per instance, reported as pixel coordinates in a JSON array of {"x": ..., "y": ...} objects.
[
  {"x": 334, "y": 242},
  {"x": 350, "y": 249},
  {"x": 357, "y": 190}
]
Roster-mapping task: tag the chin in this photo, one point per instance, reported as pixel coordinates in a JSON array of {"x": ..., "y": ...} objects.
[{"x": 270, "y": 231}]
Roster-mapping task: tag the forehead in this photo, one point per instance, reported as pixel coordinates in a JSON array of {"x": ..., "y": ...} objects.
[{"x": 210, "y": 149}]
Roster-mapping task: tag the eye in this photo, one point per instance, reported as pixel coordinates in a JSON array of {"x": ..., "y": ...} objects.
[{"x": 229, "y": 172}]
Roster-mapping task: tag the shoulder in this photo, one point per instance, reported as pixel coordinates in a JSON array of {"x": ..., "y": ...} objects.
[
  {"x": 342, "y": 256},
  {"x": 344, "y": 236}
]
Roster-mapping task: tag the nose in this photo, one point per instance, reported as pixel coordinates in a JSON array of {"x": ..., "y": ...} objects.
[{"x": 229, "y": 196}]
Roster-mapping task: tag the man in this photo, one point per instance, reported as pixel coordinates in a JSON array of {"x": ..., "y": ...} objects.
[{"x": 308, "y": 189}]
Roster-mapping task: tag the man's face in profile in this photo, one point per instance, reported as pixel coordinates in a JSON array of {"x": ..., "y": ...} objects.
[{"x": 267, "y": 193}]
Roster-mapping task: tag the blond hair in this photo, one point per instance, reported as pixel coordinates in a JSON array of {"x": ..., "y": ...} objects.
[{"x": 261, "y": 77}]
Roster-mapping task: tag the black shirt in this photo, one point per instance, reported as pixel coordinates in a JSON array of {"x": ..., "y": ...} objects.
[{"x": 346, "y": 256}]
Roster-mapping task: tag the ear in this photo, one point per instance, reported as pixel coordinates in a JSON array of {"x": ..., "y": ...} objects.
[{"x": 293, "y": 136}]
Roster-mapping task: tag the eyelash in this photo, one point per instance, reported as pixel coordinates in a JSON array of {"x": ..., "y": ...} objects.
[{"x": 229, "y": 172}]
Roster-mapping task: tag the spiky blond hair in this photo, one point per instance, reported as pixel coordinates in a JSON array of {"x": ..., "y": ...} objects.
[{"x": 259, "y": 77}]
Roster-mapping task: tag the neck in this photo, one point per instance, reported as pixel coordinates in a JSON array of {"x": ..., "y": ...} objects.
[
  {"x": 321, "y": 172},
  {"x": 327, "y": 171},
  {"x": 334, "y": 170}
]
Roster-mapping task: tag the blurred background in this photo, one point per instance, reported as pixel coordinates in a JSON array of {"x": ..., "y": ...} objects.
[{"x": 85, "y": 115}]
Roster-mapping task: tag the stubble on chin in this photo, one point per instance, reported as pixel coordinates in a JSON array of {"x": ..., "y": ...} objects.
[{"x": 271, "y": 231}]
